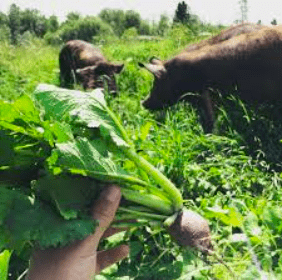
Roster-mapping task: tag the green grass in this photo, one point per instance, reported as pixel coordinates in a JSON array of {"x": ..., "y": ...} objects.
[
  {"x": 233, "y": 177},
  {"x": 23, "y": 67}
]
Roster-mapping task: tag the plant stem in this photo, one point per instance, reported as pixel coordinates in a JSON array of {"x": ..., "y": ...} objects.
[
  {"x": 148, "y": 200},
  {"x": 160, "y": 179},
  {"x": 143, "y": 214},
  {"x": 119, "y": 126},
  {"x": 134, "y": 224},
  {"x": 111, "y": 178},
  {"x": 151, "y": 189}
]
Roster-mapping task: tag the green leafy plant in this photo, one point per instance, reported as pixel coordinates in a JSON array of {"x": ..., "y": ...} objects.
[{"x": 51, "y": 149}]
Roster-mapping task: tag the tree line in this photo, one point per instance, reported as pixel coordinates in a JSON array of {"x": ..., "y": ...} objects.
[{"x": 18, "y": 24}]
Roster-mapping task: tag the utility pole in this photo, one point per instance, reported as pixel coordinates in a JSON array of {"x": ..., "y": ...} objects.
[{"x": 244, "y": 10}]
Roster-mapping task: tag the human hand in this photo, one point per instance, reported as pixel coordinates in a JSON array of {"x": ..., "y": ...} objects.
[{"x": 81, "y": 260}]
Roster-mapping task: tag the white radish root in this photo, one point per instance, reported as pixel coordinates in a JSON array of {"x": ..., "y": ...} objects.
[{"x": 191, "y": 229}]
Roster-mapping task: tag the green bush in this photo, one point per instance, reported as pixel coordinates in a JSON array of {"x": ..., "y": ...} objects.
[
  {"x": 104, "y": 39},
  {"x": 5, "y": 33},
  {"x": 180, "y": 33},
  {"x": 84, "y": 29},
  {"x": 53, "y": 38},
  {"x": 28, "y": 38},
  {"x": 130, "y": 33},
  {"x": 115, "y": 18}
]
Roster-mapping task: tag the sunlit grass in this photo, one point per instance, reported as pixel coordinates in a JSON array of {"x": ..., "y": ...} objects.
[{"x": 23, "y": 67}]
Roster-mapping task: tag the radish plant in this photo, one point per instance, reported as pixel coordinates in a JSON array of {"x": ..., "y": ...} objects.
[{"x": 53, "y": 148}]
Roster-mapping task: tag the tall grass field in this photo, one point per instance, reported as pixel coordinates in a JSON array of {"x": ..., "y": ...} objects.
[{"x": 231, "y": 177}]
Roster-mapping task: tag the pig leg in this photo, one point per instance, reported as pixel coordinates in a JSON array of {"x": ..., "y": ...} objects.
[
  {"x": 208, "y": 122},
  {"x": 66, "y": 79}
]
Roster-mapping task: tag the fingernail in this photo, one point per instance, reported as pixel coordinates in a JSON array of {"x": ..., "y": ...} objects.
[{"x": 111, "y": 193}]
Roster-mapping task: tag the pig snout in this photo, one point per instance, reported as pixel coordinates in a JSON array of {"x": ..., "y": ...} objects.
[
  {"x": 146, "y": 103},
  {"x": 151, "y": 104}
]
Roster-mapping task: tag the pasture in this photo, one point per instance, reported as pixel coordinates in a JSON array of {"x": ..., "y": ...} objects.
[{"x": 231, "y": 177}]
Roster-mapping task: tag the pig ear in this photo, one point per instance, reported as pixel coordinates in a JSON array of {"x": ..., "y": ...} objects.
[
  {"x": 156, "y": 69},
  {"x": 117, "y": 67}
]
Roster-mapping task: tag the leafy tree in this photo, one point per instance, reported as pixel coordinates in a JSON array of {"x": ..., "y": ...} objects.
[
  {"x": 73, "y": 16},
  {"x": 132, "y": 19},
  {"x": 274, "y": 22},
  {"x": 84, "y": 29},
  {"x": 41, "y": 26},
  {"x": 4, "y": 20},
  {"x": 194, "y": 20},
  {"x": 5, "y": 34},
  {"x": 163, "y": 25},
  {"x": 115, "y": 18},
  {"x": 53, "y": 38},
  {"x": 144, "y": 28},
  {"x": 259, "y": 22},
  {"x": 181, "y": 14},
  {"x": 28, "y": 19},
  {"x": 14, "y": 22},
  {"x": 53, "y": 23},
  {"x": 34, "y": 22},
  {"x": 196, "y": 25}
]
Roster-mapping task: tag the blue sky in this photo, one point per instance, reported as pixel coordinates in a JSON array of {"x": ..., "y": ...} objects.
[{"x": 215, "y": 11}]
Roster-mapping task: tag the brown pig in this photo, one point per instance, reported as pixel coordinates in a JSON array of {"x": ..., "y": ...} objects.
[
  {"x": 225, "y": 35},
  {"x": 252, "y": 61},
  {"x": 81, "y": 62}
]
